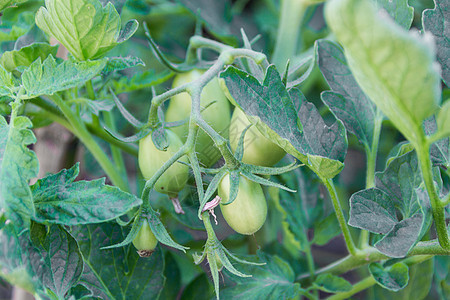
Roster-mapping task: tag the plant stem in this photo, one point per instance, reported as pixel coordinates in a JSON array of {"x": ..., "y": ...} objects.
[
  {"x": 437, "y": 208},
  {"x": 291, "y": 16},
  {"x": 357, "y": 287},
  {"x": 370, "y": 281},
  {"x": 115, "y": 151},
  {"x": 91, "y": 94},
  {"x": 81, "y": 132},
  {"x": 56, "y": 115},
  {"x": 371, "y": 254},
  {"x": 340, "y": 216},
  {"x": 371, "y": 154}
]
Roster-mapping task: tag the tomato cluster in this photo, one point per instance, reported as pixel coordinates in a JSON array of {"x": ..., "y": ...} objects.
[{"x": 248, "y": 212}]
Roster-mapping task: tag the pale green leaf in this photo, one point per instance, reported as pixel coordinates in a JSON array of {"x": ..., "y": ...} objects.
[
  {"x": 394, "y": 67},
  {"x": 18, "y": 165},
  {"x": 26, "y": 55},
  {"x": 49, "y": 77},
  {"x": 443, "y": 120},
  {"x": 86, "y": 28},
  {"x": 6, "y": 83}
]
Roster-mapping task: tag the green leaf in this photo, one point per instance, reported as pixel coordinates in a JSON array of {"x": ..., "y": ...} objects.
[
  {"x": 6, "y": 3},
  {"x": 172, "y": 274},
  {"x": 397, "y": 189},
  {"x": 6, "y": 83},
  {"x": 393, "y": 278},
  {"x": 395, "y": 68},
  {"x": 399, "y": 10},
  {"x": 346, "y": 101},
  {"x": 10, "y": 60},
  {"x": 435, "y": 21},
  {"x": 18, "y": 165},
  {"x": 420, "y": 281},
  {"x": 49, "y": 77},
  {"x": 372, "y": 210},
  {"x": 140, "y": 81},
  {"x": 440, "y": 150},
  {"x": 12, "y": 29},
  {"x": 289, "y": 120},
  {"x": 274, "y": 280},
  {"x": 86, "y": 28},
  {"x": 200, "y": 283},
  {"x": 57, "y": 260},
  {"x": 332, "y": 284},
  {"x": 117, "y": 273},
  {"x": 15, "y": 264},
  {"x": 443, "y": 119},
  {"x": 61, "y": 200},
  {"x": 121, "y": 63}
]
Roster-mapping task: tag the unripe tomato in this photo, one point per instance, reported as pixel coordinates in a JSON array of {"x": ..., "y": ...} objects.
[
  {"x": 145, "y": 241},
  {"x": 258, "y": 150},
  {"x": 217, "y": 114},
  {"x": 151, "y": 160},
  {"x": 248, "y": 212}
]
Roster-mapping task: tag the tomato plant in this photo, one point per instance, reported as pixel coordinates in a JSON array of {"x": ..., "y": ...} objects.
[{"x": 327, "y": 177}]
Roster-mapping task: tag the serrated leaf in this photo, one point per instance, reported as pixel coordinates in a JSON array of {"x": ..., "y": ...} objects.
[
  {"x": 57, "y": 261},
  {"x": 61, "y": 200},
  {"x": 10, "y": 60},
  {"x": 48, "y": 77},
  {"x": 139, "y": 81},
  {"x": 15, "y": 263},
  {"x": 399, "y": 10},
  {"x": 11, "y": 30},
  {"x": 6, "y": 83},
  {"x": 18, "y": 165},
  {"x": 372, "y": 210},
  {"x": 117, "y": 273},
  {"x": 435, "y": 22},
  {"x": 443, "y": 119},
  {"x": 332, "y": 284},
  {"x": 288, "y": 119},
  {"x": 393, "y": 278},
  {"x": 346, "y": 101},
  {"x": 86, "y": 28},
  {"x": 395, "y": 68},
  {"x": 274, "y": 280},
  {"x": 121, "y": 63}
]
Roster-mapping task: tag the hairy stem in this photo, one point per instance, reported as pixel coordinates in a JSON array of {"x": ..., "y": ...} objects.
[
  {"x": 437, "y": 207},
  {"x": 291, "y": 16},
  {"x": 340, "y": 216},
  {"x": 80, "y": 131}
]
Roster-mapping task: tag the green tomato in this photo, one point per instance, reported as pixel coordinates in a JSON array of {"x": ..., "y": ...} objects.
[
  {"x": 248, "y": 212},
  {"x": 151, "y": 160},
  {"x": 258, "y": 150},
  {"x": 216, "y": 114},
  {"x": 145, "y": 241}
]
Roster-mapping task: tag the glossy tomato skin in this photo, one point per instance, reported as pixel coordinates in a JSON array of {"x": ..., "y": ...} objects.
[
  {"x": 258, "y": 150},
  {"x": 216, "y": 114},
  {"x": 145, "y": 241},
  {"x": 151, "y": 159},
  {"x": 248, "y": 212}
]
